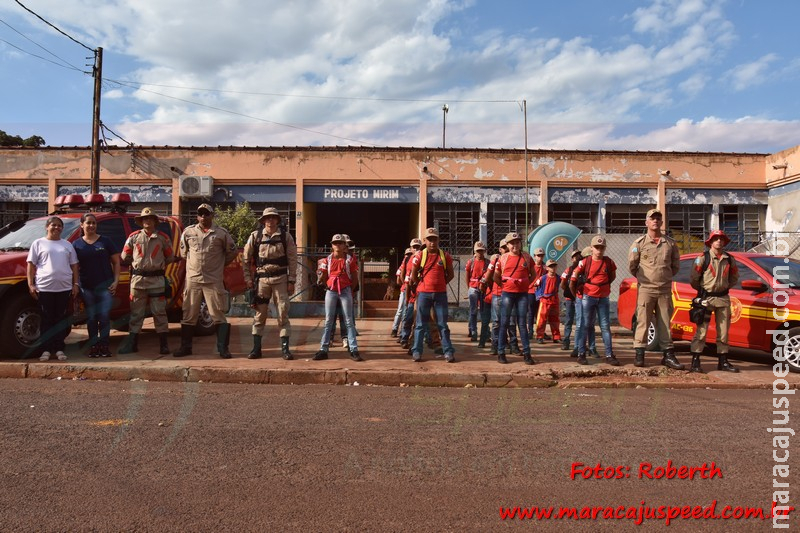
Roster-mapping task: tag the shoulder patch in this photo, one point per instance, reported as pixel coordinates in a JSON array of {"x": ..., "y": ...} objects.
[
  {"x": 635, "y": 250},
  {"x": 699, "y": 260}
]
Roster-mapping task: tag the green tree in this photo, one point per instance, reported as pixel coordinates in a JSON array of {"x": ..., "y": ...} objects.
[
  {"x": 239, "y": 222},
  {"x": 15, "y": 140}
]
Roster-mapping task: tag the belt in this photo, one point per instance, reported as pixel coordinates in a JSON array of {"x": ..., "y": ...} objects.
[
  {"x": 147, "y": 273},
  {"x": 721, "y": 293},
  {"x": 277, "y": 272}
]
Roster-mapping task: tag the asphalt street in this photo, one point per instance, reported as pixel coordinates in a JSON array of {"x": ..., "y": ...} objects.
[{"x": 81, "y": 455}]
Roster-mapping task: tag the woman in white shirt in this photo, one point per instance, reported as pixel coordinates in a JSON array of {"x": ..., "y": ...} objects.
[{"x": 52, "y": 279}]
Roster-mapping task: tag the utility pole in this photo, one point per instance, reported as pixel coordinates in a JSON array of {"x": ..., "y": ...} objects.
[
  {"x": 445, "y": 109},
  {"x": 97, "y": 72},
  {"x": 527, "y": 209}
]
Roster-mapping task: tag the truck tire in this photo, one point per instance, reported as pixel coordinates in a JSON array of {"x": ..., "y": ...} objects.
[
  {"x": 652, "y": 342},
  {"x": 205, "y": 325},
  {"x": 791, "y": 349},
  {"x": 19, "y": 329}
]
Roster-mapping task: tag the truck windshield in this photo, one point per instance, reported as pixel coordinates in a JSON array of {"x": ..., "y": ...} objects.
[{"x": 19, "y": 235}]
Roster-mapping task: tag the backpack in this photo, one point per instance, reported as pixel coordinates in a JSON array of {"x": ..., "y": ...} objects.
[
  {"x": 260, "y": 261},
  {"x": 348, "y": 261},
  {"x": 583, "y": 277},
  {"x": 425, "y": 259},
  {"x": 706, "y": 263},
  {"x": 471, "y": 263}
]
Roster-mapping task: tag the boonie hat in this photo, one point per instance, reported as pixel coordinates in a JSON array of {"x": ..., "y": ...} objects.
[
  {"x": 551, "y": 263},
  {"x": 538, "y": 251},
  {"x": 207, "y": 207},
  {"x": 416, "y": 242},
  {"x": 513, "y": 236},
  {"x": 146, "y": 212},
  {"x": 479, "y": 246},
  {"x": 431, "y": 233},
  {"x": 348, "y": 240},
  {"x": 503, "y": 244},
  {"x": 269, "y": 212},
  {"x": 598, "y": 240},
  {"x": 339, "y": 237},
  {"x": 654, "y": 212},
  {"x": 586, "y": 252},
  {"x": 718, "y": 233}
]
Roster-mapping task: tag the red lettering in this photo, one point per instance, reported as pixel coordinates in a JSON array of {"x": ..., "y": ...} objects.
[{"x": 644, "y": 470}]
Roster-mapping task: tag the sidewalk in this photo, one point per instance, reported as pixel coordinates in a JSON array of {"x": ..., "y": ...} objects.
[{"x": 385, "y": 363}]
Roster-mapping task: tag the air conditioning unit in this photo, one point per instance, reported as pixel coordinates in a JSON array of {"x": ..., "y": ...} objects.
[{"x": 196, "y": 186}]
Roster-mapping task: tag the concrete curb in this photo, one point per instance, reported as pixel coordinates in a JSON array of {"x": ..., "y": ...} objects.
[{"x": 540, "y": 377}]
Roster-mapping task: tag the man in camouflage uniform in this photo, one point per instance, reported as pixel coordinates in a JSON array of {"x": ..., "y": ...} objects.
[
  {"x": 272, "y": 253},
  {"x": 654, "y": 260},
  {"x": 207, "y": 248},
  {"x": 148, "y": 252}
]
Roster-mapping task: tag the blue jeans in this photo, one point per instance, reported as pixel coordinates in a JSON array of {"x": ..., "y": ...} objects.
[
  {"x": 408, "y": 321},
  {"x": 592, "y": 307},
  {"x": 98, "y": 308},
  {"x": 475, "y": 305},
  {"x": 512, "y": 323},
  {"x": 511, "y": 301},
  {"x": 569, "y": 308},
  {"x": 578, "y": 322},
  {"x": 401, "y": 307},
  {"x": 437, "y": 300},
  {"x": 333, "y": 300}
]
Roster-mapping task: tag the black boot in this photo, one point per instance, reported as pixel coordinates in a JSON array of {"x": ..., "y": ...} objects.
[
  {"x": 163, "y": 343},
  {"x": 255, "y": 353},
  {"x": 223, "y": 339},
  {"x": 130, "y": 344},
  {"x": 187, "y": 332},
  {"x": 285, "y": 349},
  {"x": 725, "y": 365},
  {"x": 638, "y": 358},
  {"x": 696, "y": 364},
  {"x": 670, "y": 361}
]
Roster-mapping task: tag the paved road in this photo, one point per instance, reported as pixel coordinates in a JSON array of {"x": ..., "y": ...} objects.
[{"x": 142, "y": 456}]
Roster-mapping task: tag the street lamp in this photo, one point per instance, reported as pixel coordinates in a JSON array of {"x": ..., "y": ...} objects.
[{"x": 445, "y": 109}]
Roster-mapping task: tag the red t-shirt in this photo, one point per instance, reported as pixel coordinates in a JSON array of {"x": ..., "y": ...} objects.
[
  {"x": 550, "y": 288},
  {"x": 402, "y": 272},
  {"x": 475, "y": 269},
  {"x": 515, "y": 272},
  {"x": 539, "y": 270},
  {"x": 598, "y": 278},
  {"x": 432, "y": 273},
  {"x": 337, "y": 277}
]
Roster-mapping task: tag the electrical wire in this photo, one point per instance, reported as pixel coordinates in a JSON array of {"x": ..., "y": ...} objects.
[
  {"x": 53, "y": 26},
  {"x": 320, "y": 97},
  {"x": 68, "y": 67},
  {"x": 236, "y": 113},
  {"x": 65, "y": 63}
]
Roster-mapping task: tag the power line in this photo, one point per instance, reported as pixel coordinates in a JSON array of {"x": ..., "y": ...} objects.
[
  {"x": 53, "y": 26},
  {"x": 64, "y": 63},
  {"x": 321, "y": 97},
  {"x": 292, "y": 126}
]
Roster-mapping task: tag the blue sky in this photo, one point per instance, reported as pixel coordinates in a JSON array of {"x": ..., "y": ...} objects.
[{"x": 667, "y": 75}]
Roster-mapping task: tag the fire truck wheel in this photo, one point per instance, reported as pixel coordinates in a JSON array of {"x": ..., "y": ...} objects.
[
  {"x": 19, "y": 329},
  {"x": 791, "y": 349}
]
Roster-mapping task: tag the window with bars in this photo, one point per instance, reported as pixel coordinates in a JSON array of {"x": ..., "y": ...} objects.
[
  {"x": 502, "y": 219},
  {"x": 743, "y": 224},
  {"x": 626, "y": 218},
  {"x": 689, "y": 219},
  {"x": 583, "y": 216},
  {"x": 458, "y": 226},
  {"x": 12, "y": 211}
]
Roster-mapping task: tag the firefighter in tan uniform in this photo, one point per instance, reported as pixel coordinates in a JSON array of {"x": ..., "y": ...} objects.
[
  {"x": 272, "y": 253},
  {"x": 207, "y": 248},
  {"x": 654, "y": 259},
  {"x": 713, "y": 275},
  {"x": 148, "y": 252}
]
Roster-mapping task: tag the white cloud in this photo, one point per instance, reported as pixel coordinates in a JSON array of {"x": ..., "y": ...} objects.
[{"x": 747, "y": 75}]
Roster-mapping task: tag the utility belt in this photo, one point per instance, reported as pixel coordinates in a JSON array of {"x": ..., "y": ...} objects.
[
  {"x": 273, "y": 273},
  {"x": 280, "y": 261},
  {"x": 147, "y": 273},
  {"x": 720, "y": 293}
]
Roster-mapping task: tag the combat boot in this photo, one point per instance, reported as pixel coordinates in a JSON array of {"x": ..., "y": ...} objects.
[
  {"x": 638, "y": 358},
  {"x": 187, "y": 332},
  {"x": 255, "y": 353},
  {"x": 285, "y": 349},
  {"x": 130, "y": 344},
  {"x": 696, "y": 364},
  {"x": 725, "y": 365},
  {"x": 670, "y": 361},
  {"x": 163, "y": 343},
  {"x": 223, "y": 339}
]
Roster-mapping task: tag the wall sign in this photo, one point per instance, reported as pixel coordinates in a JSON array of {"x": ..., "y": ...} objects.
[{"x": 354, "y": 194}]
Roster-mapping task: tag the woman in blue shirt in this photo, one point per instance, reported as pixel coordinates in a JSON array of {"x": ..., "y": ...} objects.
[{"x": 99, "y": 270}]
